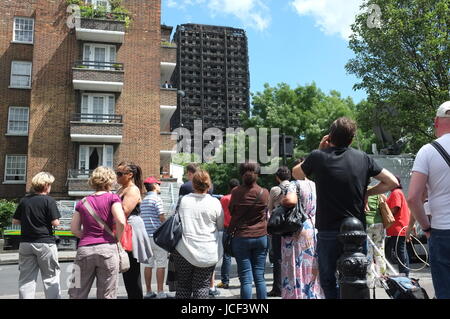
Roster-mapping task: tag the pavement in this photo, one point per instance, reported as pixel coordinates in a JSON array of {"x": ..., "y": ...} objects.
[{"x": 9, "y": 275}]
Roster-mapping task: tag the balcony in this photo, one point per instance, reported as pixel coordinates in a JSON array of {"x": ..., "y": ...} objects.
[
  {"x": 98, "y": 76},
  {"x": 98, "y": 128},
  {"x": 167, "y": 69},
  {"x": 168, "y": 52},
  {"x": 167, "y": 148},
  {"x": 101, "y": 30},
  {"x": 168, "y": 106},
  {"x": 77, "y": 182},
  {"x": 78, "y": 185},
  {"x": 168, "y": 96},
  {"x": 166, "y": 112}
]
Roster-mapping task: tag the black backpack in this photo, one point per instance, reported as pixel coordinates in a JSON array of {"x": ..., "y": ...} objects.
[{"x": 400, "y": 287}]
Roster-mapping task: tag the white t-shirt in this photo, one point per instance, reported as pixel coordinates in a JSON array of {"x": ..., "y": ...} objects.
[
  {"x": 202, "y": 219},
  {"x": 429, "y": 162}
]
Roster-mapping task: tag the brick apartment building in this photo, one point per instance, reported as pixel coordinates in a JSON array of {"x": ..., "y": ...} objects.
[{"x": 72, "y": 99}]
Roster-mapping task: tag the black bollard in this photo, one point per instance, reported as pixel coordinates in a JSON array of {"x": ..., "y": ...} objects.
[{"x": 352, "y": 265}]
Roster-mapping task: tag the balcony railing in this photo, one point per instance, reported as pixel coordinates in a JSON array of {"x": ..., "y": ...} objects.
[
  {"x": 97, "y": 118},
  {"x": 101, "y": 30},
  {"x": 99, "y": 65},
  {"x": 79, "y": 173}
]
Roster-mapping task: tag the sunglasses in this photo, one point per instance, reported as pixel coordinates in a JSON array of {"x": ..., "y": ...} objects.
[{"x": 120, "y": 174}]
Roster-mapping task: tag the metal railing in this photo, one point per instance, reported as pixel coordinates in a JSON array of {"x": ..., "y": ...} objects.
[
  {"x": 99, "y": 65},
  {"x": 97, "y": 118},
  {"x": 79, "y": 173}
]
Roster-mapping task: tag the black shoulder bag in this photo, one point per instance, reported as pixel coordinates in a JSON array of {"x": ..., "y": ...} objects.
[
  {"x": 227, "y": 248},
  {"x": 285, "y": 221},
  {"x": 441, "y": 151},
  {"x": 169, "y": 233}
]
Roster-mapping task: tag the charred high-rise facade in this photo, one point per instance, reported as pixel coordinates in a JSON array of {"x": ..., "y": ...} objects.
[{"x": 211, "y": 75}]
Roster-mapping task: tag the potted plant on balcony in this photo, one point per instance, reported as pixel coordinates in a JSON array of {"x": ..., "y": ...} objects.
[
  {"x": 118, "y": 67},
  {"x": 117, "y": 12}
]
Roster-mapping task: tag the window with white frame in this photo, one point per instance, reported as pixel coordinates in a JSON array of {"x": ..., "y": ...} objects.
[
  {"x": 100, "y": 3},
  {"x": 18, "y": 120},
  {"x": 92, "y": 156},
  {"x": 103, "y": 54},
  {"x": 100, "y": 104},
  {"x": 20, "y": 74},
  {"x": 15, "y": 168},
  {"x": 23, "y": 30}
]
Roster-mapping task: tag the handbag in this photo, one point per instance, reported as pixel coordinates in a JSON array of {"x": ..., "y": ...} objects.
[
  {"x": 285, "y": 221},
  {"x": 169, "y": 233},
  {"x": 227, "y": 244},
  {"x": 386, "y": 214},
  {"x": 124, "y": 260},
  {"x": 127, "y": 237}
]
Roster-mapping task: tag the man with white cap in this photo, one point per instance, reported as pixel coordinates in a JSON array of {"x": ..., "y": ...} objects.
[{"x": 432, "y": 170}]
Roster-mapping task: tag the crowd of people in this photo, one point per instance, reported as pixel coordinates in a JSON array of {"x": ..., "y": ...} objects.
[{"x": 331, "y": 184}]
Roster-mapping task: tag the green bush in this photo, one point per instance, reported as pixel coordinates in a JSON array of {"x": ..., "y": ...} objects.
[{"x": 7, "y": 209}]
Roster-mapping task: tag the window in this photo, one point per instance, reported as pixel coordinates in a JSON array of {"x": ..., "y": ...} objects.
[
  {"x": 103, "y": 54},
  {"x": 23, "y": 30},
  {"x": 15, "y": 168},
  {"x": 100, "y": 3},
  {"x": 18, "y": 120},
  {"x": 100, "y": 104},
  {"x": 92, "y": 156},
  {"x": 20, "y": 74}
]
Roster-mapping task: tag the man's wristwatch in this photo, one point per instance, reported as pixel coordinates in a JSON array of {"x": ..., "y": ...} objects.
[{"x": 426, "y": 230}]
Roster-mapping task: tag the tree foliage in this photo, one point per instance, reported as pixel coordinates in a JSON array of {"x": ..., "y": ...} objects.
[
  {"x": 7, "y": 209},
  {"x": 304, "y": 112},
  {"x": 403, "y": 65}
]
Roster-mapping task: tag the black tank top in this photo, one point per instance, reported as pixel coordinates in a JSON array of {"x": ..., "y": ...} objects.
[{"x": 136, "y": 210}]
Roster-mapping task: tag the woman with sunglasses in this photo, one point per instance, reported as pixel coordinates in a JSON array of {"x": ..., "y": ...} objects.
[{"x": 129, "y": 176}]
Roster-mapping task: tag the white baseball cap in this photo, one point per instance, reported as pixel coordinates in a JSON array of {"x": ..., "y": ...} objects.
[{"x": 443, "y": 109}]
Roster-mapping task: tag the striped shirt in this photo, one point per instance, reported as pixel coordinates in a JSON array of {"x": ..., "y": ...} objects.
[{"x": 151, "y": 208}]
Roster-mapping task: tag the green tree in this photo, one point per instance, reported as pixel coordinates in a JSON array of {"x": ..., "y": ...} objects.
[
  {"x": 7, "y": 209},
  {"x": 304, "y": 112},
  {"x": 403, "y": 65}
]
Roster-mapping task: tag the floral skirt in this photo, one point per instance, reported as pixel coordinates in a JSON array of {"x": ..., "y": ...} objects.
[{"x": 299, "y": 267}]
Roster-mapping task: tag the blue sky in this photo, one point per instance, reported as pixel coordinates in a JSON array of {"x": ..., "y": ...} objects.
[{"x": 292, "y": 41}]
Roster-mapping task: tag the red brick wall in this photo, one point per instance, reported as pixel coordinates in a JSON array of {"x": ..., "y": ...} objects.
[
  {"x": 169, "y": 54},
  {"x": 11, "y": 97},
  {"x": 52, "y": 96},
  {"x": 139, "y": 100},
  {"x": 96, "y": 128},
  {"x": 98, "y": 75},
  {"x": 168, "y": 96}
]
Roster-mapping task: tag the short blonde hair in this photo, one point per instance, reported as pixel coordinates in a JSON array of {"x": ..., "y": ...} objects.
[
  {"x": 102, "y": 178},
  {"x": 41, "y": 180}
]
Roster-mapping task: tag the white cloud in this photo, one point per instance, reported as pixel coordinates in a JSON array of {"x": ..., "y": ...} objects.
[
  {"x": 172, "y": 4},
  {"x": 252, "y": 13},
  {"x": 331, "y": 16}
]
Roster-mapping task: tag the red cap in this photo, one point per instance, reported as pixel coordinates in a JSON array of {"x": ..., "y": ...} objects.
[{"x": 151, "y": 180}]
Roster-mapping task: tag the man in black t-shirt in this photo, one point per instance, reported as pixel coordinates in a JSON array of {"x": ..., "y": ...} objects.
[
  {"x": 37, "y": 214},
  {"x": 342, "y": 175}
]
